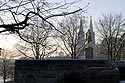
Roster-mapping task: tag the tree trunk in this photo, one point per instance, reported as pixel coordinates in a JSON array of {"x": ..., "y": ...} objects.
[{"x": 4, "y": 73}]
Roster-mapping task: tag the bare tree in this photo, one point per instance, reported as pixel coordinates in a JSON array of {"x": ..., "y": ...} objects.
[
  {"x": 23, "y": 12},
  {"x": 6, "y": 68},
  {"x": 73, "y": 35},
  {"x": 27, "y": 9},
  {"x": 122, "y": 47},
  {"x": 111, "y": 27},
  {"x": 38, "y": 40}
]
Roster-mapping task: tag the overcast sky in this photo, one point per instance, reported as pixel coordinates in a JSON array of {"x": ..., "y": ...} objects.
[
  {"x": 99, "y": 7},
  {"x": 96, "y": 9}
]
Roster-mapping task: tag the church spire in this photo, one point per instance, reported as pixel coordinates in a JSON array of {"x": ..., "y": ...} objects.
[
  {"x": 91, "y": 31},
  {"x": 91, "y": 25},
  {"x": 90, "y": 36},
  {"x": 81, "y": 40},
  {"x": 81, "y": 32}
]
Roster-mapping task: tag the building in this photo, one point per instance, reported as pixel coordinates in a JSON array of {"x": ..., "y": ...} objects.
[
  {"x": 80, "y": 41},
  {"x": 90, "y": 44}
]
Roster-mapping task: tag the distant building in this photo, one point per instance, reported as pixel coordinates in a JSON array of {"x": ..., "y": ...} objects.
[
  {"x": 80, "y": 41},
  {"x": 98, "y": 55},
  {"x": 61, "y": 54},
  {"x": 116, "y": 44},
  {"x": 85, "y": 46},
  {"x": 90, "y": 44}
]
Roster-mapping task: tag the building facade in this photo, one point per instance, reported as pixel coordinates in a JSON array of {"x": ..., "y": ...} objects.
[{"x": 90, "y": 42}]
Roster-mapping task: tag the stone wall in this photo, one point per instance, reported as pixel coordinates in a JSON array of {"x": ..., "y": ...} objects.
[{"x": 49, "y": 71}]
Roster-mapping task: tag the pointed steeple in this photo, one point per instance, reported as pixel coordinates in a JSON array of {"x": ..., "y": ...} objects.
[
  {"x": 81, "y": 25},
  {"x": 81, "y": 32},
  {"x": 91, "y": 30},
  {"x": 90, "y": 36},
  {"x": 91, "y": 25},
  {"x": 81, "y": 40}
]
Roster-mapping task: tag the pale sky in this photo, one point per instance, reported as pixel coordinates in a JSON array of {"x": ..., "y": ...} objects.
[
  {"x": 96, "y": 9},
  {"x": 99, "y": 7}
]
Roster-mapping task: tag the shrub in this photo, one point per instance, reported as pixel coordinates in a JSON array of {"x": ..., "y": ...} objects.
[
  {"x": 95, "y": 75},
  {"x": 73, "y": 77}
]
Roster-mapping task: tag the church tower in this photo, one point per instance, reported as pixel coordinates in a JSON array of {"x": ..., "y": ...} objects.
[
  {"x": 80, "y": 41},
  {"x": 90, "y": 44}
]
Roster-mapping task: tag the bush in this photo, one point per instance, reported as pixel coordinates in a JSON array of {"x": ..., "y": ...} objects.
[
  {"x": 91, "y": 76},
  {"x": 74, "y": 77},
  {"x": 107, "y": 76}
]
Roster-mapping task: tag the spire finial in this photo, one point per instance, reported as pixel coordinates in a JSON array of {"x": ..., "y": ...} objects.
[
  {"x": 90, "y": 17},
  {"x": 91, "y": 26},
  {"x": 81, "y": 23}
]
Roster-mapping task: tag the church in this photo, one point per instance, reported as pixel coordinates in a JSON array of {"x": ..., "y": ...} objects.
[
  {"x": 86, "y": 48},
  {"x": 86, "y": 43}
]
